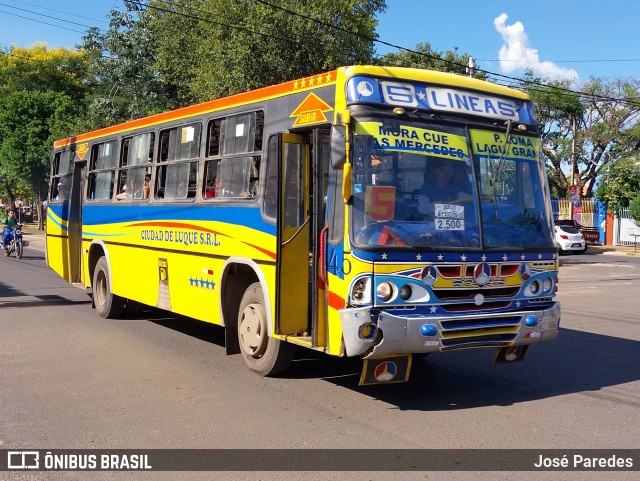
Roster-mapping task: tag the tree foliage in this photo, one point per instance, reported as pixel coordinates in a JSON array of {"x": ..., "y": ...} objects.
[
  {"x": 212, "y": 48},
  {"x": 29, "y": 123},
  {"x": 634, "y": 208},
  {"x": 619, "y": 184},
  {"x": 587, "y": 132},
  {"x": 123, "y": 80},
  {"x": 41, "y": 89}
]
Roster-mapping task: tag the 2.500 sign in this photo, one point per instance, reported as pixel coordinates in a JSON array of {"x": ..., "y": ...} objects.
[{"x": 449, "y": 224}]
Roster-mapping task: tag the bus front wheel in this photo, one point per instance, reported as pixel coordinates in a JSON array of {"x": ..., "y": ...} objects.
[
  {"x": 106, "y": 302},
  {"x": 263, "y": 354}
]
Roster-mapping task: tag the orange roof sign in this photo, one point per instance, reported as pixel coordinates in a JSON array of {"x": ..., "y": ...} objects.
[{"x": 310, "y": 111}]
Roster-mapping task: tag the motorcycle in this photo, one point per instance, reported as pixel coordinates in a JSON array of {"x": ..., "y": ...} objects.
[{"x": 14, "y": 241}]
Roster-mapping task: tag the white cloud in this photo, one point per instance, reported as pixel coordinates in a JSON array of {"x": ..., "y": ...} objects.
[{"x": 517, "y": 54}]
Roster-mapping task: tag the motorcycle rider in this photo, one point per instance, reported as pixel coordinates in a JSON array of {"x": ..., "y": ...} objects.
[{"x": 9, "y": 223}]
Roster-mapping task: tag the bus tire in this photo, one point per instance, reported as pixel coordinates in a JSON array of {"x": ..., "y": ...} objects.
[
  {"x": 261, "y": 353},
  {"x": 108, "y": 305}
]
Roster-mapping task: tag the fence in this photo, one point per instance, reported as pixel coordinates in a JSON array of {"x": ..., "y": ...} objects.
[
  {"x": 583, "y": 211},
  {"x": 625, "y": 231}
]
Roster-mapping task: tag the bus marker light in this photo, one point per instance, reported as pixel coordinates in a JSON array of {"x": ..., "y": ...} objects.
[
  {"x": 531, "y": 321},
  {"x": 428, "y": 330}
]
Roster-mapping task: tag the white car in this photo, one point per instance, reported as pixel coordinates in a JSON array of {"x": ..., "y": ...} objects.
[{"x": 569, "y": 239}]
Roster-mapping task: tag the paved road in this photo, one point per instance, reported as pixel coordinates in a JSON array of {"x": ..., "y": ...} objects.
[{"x": 69, "y": 379}]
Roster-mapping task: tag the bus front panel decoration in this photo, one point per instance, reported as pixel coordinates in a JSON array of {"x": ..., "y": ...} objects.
[{"x": 419, "y": 221}]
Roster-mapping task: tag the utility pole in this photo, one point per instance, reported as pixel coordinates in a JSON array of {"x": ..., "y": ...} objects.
[
  {"x": 572, "y": 187},
  {"x": 471, "y": 68}
]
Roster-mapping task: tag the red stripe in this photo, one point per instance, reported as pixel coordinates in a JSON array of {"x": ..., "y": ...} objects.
[
  {"x": 335, "y": 301},
  {"x": 181, "y": 225}
]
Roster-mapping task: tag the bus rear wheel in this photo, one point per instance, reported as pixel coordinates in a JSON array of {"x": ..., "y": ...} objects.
[
  {"x": 107, "y": 304},
  {"x": 263, "y": 354}
]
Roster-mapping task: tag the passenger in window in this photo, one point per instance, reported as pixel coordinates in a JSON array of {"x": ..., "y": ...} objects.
[
  {"x": 59, "y": 192},
  {"x": 128, "y": 191},
  {"x": 146, "y": 187},
  {"x": 211, "y": 189}
]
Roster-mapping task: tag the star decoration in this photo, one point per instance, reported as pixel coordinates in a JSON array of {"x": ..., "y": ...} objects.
[
  {"x": 421, "y": 95},
  {"x": 539, "y": 256},
  {"x": 295, "y": 85},
  {"x": 484, "y": 258},
  {"x": 463, "y": 257},
  {"x": 433, "y": 309},
  {"x": 522, "y": 257},
  {"x": 505, "y": 257},
  {"x": 440, "y": 257},
  {"x": 384, "y": 255},
  {"x": 517, "y": 303},
  {"x": 419, "y": 257},
  {"x": 328, "y": 77}
]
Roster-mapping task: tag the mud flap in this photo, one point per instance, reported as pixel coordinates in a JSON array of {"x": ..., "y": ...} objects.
[
  {"x": 386, "y": 370},
  {"x": 507, "y": 355}
]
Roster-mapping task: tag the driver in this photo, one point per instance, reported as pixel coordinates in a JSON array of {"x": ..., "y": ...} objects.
[{"x": 444, "y": 188}]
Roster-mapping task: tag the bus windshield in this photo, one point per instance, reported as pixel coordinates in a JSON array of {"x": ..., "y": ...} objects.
[{"x": 419, "y": 185}]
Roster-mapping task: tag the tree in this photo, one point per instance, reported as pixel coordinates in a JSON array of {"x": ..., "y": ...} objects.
[
  {"x": 41, "y": 92},
  {"x": 29, "y": 123},
  {"x": 197, "y": 50},
  {"x": 43, "y": 69},
  {"x": 123, "y": 81},
  {"x": 619, "y": 184},
  {"x": 586, "y": 132},
  {"x": 634, "y": 208}
]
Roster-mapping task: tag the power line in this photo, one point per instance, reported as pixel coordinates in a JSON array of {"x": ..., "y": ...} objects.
[
  {"x": 41, "y": 21},
  {"x": 63, "y": 12},
  {"x": 434, "y": 57},
  {"x": 521, "y": 81},
  {"x": 564, "y": 61},
  {"x": 208, "y": 20},
  {"x": 45, "y": 15}
]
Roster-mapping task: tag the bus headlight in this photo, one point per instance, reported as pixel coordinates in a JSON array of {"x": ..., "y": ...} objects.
[
  {"x": 534, "y": 288},
  {"x": 360, "y": 291},
  {"x": 405, "y": 292},
  {"x": 384, "y": 291},
  {"x": 547, "y": 285}
]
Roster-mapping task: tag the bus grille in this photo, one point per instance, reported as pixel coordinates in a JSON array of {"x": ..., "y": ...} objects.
[{"x": 465, "y": 333}]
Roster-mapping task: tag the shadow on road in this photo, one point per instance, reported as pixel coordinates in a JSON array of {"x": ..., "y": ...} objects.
[{"x": 577, "y": 362}]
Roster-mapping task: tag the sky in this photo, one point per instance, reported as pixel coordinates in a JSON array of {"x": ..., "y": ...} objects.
[{"x": 561, "y": 39}]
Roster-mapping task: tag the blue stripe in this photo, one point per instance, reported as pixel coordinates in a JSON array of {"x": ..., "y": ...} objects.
[{"x": 94, "y": 215}]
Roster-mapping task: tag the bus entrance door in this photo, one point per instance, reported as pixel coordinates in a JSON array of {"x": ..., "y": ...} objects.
[{"x": 293, "y": 238}]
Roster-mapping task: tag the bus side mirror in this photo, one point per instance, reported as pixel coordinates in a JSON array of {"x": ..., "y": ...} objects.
[{"x": 338, "y": 146}]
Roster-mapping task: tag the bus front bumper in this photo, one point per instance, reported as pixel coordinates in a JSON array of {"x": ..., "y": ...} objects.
[{"x": 394, "y": 334}]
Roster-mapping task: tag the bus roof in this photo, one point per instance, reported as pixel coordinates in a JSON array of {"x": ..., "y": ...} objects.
[{"x": 299, "y": 85}]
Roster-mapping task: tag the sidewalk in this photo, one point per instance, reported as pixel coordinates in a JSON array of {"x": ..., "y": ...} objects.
[{"x": 613, "y": 250}]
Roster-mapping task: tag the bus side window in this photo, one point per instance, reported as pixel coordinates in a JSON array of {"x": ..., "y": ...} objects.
[
  {"x": 270, "y": 205},
  {"x": 211, "y": 182}
]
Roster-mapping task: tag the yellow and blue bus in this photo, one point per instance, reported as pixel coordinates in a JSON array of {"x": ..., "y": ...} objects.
[{"x": 371, "y": 212}]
